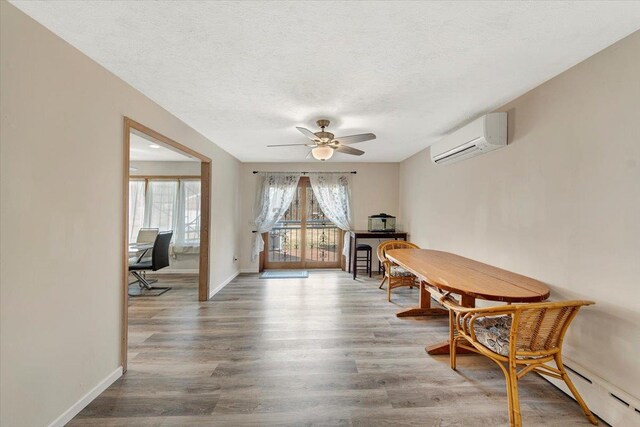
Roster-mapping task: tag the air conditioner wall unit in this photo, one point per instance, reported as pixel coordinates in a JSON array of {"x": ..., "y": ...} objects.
[{"x": 482, "y": 135}]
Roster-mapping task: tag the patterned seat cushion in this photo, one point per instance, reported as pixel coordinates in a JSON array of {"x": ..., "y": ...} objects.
[
  {"x": 493, "y": 333},
  {"x": 397, "y": 271}
]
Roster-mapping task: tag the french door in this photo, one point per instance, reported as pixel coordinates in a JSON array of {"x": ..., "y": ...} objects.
[{"x": 304, "y": 237}]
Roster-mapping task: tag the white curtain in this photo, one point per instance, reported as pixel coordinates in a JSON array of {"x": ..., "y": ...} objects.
[
  {"x": 167, "y": 205},
  {"x": 161, "y": 205},
  {"x": 136, "y": 208},
  {"x": 275, "y": 193},
  {"x": 333, "y": 194},
  {"x": 187, "y": 229}
]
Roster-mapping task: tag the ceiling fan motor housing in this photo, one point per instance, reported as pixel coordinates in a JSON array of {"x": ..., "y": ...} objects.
[{"x": 325, "y": 137}]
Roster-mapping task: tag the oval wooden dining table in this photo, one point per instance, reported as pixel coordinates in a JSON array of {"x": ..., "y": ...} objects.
[{"x": 446, "y": 272}]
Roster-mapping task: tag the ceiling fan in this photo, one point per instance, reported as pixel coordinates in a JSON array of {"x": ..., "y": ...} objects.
[{"x": 324, "y": 143}]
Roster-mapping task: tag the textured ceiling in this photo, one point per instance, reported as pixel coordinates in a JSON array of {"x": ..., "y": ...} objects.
[
  {"x": 245, "y": 74},
  {"x": 149, "y": 150}
]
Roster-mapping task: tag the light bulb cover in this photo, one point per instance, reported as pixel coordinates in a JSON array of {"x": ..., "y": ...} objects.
[{"x": 322, "y": 152}]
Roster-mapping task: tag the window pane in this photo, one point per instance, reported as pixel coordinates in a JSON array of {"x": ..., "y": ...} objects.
[
  {"x": 322, "y": 236},
  {"x": 136, "y": 208},
  {"x": 284, "y": 243},
  {"x": 162, "y": 204},
  {"x": 191, "y": 194}
]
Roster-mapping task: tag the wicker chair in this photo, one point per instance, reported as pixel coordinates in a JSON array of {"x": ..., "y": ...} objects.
[
  {"x": 396, "y": 275},
  {"x": 513, "y": 336}
]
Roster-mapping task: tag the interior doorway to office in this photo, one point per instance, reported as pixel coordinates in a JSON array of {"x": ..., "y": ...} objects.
[
  {"x": 304, "y": 237},
  {"x": 166, "y": 218}
]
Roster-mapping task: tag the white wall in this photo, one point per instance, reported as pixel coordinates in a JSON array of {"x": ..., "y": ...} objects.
[
  {"x": 561, "y": 203},
  {"x": 181, "y": 262},
  {"x": 150, "y": 168},
  {"x": 374, "y": 190},
  {"x": 61, "y": 217}
]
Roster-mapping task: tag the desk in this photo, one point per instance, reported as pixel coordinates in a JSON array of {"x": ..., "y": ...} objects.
[
  {"x": 446, "y": 272},
  {"x": 134, "y": 248},
  {"x": 361, "y": 234}
]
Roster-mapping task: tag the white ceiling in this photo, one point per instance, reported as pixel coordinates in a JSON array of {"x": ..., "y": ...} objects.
[
  {"x": 149, "y": 150},
  {"x": 245, "y": 74}
]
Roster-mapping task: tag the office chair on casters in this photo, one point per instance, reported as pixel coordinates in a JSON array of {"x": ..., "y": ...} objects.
[{"x": 159, "y": 259}]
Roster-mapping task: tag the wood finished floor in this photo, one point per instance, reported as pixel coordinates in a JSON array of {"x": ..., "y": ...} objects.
[{"x": 322, "y": 351}]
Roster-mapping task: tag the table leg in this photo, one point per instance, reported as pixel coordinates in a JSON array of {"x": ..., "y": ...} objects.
[
  {"x": 353, "y": 258},
  {"x": 350, "y": 252},
  {"x": 443, "y": 347},
  {"x": 424, "y": 307}
]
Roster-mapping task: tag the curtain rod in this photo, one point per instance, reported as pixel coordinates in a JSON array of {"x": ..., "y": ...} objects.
[{"x": 305, "y": 173}]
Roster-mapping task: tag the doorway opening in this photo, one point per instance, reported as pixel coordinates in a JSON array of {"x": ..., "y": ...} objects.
[
  {"x": 166, "y": 220},
  {"x": 304, "y": 237}
]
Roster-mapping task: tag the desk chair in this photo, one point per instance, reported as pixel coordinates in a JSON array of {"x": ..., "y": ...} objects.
[{"x": 159, "y": 260}]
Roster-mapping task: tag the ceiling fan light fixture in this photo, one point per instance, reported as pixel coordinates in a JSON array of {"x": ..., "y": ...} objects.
[
  {"x": 324, "y": 143},
  {"x": 322, "y": 152}
]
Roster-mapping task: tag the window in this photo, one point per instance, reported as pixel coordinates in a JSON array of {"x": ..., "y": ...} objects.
[{"x": 167, "y": 204}]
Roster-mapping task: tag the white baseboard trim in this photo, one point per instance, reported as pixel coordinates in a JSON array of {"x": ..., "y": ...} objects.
[
  {"x": 86, "y": 399},
  {"x": 218, "y": 288},
  {"x": 248, "y": 270},
  {"x": 604, "y": 399}
]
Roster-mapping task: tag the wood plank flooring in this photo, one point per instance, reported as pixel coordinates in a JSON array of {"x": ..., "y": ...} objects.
[{"x": 322, "y": 351}]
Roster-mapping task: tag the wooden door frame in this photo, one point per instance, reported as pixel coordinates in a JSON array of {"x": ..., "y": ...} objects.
[
  {"x": 205, "y": 220},
  {"x": 304, "y": 183}
]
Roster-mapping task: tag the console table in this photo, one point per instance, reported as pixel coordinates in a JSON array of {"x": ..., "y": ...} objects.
[{"x": 361, "y": 234}]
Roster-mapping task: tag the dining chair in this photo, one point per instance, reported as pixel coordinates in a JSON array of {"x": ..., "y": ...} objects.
[
  {"x": 518, "y": 336},
  {"x": 394, "y": 274}
]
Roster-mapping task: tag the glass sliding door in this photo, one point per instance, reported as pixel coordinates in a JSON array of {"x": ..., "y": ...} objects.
[{"x": 304, "y": 237}]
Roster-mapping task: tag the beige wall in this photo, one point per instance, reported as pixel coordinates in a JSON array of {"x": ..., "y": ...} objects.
[
  {"x": 61, "y": 224},
  {"x": 561, "y": 203},
  {"x": 374, "y": 190}
]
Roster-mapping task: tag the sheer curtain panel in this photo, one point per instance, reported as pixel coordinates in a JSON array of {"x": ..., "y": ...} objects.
[
  {"x": 162, "y": 203},
  {"x": 136, "y": 208},
  {"x": 333, "y": 194},
  {"x": 187, "y": 234},
  {"x": 274, "y": 195}
]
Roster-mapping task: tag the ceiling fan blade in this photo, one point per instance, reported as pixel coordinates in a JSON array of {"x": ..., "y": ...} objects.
[
  {"x": 348, "y": 150},
  {"x": 306, "y": 132},
  {"x": 309, "y": 155},
  {"x": 286, "y": 145},
  {"x": 352, "y": 139}
]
